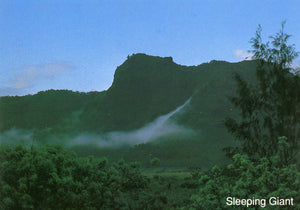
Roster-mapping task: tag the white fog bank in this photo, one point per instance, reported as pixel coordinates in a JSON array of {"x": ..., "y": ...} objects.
[{"x": 160, "y": 127}]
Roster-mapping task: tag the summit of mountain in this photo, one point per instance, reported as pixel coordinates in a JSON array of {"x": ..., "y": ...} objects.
[{"x": 146, "y": 87}]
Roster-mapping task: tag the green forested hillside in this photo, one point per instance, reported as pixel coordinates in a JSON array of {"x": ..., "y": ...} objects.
[
  {"x": 45, "y": 109},
  {"x": 196, "y": 163},
  {"x": 144, "y": 88}
]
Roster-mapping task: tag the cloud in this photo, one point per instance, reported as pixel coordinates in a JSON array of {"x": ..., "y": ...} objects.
[
  {"x": 29, "y": 75},
  {"x": 161, "y": 127},
  {"x": 148, "y": 133},
  {"x": 8, "y": 91},
  {"x": 16, "y": 136},
  {"x": 296, "y": 67},
  {"x": 296, "y": 64},
  {"x": 242, "y": 54}
]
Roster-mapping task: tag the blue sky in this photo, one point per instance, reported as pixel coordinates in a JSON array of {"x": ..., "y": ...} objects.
[{"x": 77, "y": 45}]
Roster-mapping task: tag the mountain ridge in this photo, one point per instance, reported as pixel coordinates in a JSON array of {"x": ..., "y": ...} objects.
[
  {"x": 144, "y": 87},
  {"x": 150, "y": 86}
]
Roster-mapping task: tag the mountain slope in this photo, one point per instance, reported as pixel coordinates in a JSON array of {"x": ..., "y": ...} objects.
[
  {"x": 46, "y": 109},
  {"x": 146, "y": 87}
]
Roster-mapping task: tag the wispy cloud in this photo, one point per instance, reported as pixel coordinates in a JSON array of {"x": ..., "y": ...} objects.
[
  {"x": 29, "y": 75},
  {"x": 296, "y": 67},
  {"x": 160, "y": 127},
  {"x": 296, "y": 63},
  {"x": 242, "y": 54}
]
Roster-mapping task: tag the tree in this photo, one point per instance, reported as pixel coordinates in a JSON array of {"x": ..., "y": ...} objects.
[
  {"x": 271, "y": 108},
  {"x": 51, "y": 177},
  {"x": 154, "y": 161},
  {"x": 245, "y": 178}
]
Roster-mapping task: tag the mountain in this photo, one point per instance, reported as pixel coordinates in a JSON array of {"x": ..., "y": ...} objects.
[{"x": 144, "y": 88}]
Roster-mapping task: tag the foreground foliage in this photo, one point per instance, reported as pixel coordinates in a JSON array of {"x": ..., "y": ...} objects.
[
  {"x": 244, "y": 179},
  {"x": 53, "y": 178}
]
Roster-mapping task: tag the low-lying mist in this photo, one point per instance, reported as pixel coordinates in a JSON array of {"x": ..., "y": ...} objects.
[
  {"x": 16, "y": 136},
  {"x": 161, "y": 127}
]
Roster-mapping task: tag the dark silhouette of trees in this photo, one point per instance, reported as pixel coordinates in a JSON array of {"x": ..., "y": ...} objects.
[
  {"x": 270, "y": 109},
  {"x": 268, "y": 128}
]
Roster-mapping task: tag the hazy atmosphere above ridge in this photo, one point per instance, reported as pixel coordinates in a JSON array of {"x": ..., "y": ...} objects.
[{"x": 77, "y": 45}]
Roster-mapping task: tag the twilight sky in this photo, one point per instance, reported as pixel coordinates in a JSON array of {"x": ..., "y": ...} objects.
[{"x": 77, "y": 45}]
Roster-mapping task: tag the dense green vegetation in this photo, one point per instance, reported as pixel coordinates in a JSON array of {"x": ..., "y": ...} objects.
[
  {"x": 270, "y": 109},
  {"x": 144, "y": 88},
  {"x": 173, "y": 153},
  {"x": 264, "y": 165},
  {"x": 247, "y": 179},
  {"x": 50, "y": 177},
  {"x": 263, "y": 115},
  {"x": 46, "y": 109}
]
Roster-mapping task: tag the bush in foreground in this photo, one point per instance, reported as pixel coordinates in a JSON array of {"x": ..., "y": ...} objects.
[{"x": 51, "y": 177}]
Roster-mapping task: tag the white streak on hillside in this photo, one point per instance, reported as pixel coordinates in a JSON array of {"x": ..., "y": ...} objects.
[{"x": 160, "y": 127}]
